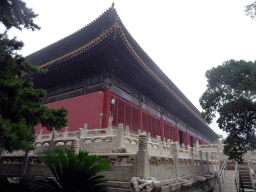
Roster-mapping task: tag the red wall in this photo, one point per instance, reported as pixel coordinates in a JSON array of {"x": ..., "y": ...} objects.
[
  {"x": 82, "y": 109},
  {"x": 87, "y": 109}
]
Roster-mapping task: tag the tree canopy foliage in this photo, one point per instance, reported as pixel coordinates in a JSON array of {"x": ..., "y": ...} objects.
[
  {"x": 21, "y": 107},
  {"x": 231, "y": 92},
  {"x": 250, "y": 10}
]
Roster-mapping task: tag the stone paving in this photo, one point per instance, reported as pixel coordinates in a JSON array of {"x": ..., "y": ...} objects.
[{"x": 229, "y": 182}]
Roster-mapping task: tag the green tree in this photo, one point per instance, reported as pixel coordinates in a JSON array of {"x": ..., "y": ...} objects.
[
  {"x": 21, "y": 107},
  {"x": 230, "y": 92},
  {"x": 73, "y": 172},
  {"x": 250, "y": 10}
]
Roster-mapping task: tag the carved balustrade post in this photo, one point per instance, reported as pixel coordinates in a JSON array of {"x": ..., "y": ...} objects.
[
  {"x": 85, "y": 129},
  {"x": 80, "y": 135},
  {"x": 218, "y": 150},
  {"x": 164, "y": 144},
  {"x": 110, "y": 129},
  {"x": 174, "y": 151},
  {"x": 207, "y": 161},
  {"x": 201, "y": 161},
  {"x": 75, "y": 145},
  {"x": 66, "y": 133},
  {"x": 158, "y": 138},
  {"x": 168, "y": 143},
  {"x": 119, "y": 140},
  {"x": 149, "y": 137},
  {"x": 52, "y": 142},
  {"x": 39, "y": 136},
  {"x": 188, "y": 146},
  {"x": 214, "y": 161},
  {"x": 191, "y": 154},
  {"x": 197, "y": 145},
  {"x": 217, "y": 162},
  {"x": 142, "y": 157},
  {"x": 183, "y": 149},
  {"x": 211, "y": 162},
  {"x": 127, "y": 130}
]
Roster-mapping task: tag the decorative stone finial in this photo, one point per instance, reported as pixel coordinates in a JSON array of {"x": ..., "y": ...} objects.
[
  {"x": 174, "y": 149},
  {"x": 113, "y": 4},
  {"x": 75, "y": 145},
  {"x": 142, "y": 142}
]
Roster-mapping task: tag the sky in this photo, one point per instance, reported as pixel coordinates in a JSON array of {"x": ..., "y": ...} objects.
[{"x": 184, "y": 38}]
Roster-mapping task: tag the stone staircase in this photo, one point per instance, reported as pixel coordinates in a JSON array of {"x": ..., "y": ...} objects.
[
  {"x": 229, "y": 182},
  {"x": 245, "y": 177},
  {"x": 229, "y": 178}
]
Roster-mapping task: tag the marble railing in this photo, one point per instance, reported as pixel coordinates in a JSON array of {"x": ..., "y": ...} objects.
[
  {"x": 131, "y": 155},
  {"x": 112, "y": 140}
]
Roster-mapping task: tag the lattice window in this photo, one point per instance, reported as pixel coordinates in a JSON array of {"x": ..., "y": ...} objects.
[
  {"x": 169, "y": 131},
  {"x": 151, "y": 124},
  {"x": 125, "y": 114}
]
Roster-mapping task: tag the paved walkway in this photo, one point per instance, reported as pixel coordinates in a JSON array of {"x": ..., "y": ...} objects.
[{"x": 229, "y": 182}]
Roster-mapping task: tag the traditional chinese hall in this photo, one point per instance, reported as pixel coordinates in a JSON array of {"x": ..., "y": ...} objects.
[{"x": 100, "y": 72}]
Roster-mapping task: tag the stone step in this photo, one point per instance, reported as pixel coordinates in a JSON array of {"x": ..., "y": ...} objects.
[
  {"x": 248, "y": 187},
  {"x": 247, "y": 184},
  {"x": 245, "y": 176},
  {"x": 249, "y": 190},
  {"x": 246, "y": 180},
  {"x": 229, "y": 182}
]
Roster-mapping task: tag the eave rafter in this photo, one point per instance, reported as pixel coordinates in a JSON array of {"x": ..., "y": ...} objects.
[{"x": 116, "y": 28}]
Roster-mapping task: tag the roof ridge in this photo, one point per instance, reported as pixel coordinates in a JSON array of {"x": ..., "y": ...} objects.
[
  {"x": 79, "y": 50},
  {"x": 144, "y": 65},
  {"x": 137, "y": 44},
  {"x": 133, "y": 37},
  {"x": 62, "y": 39}
]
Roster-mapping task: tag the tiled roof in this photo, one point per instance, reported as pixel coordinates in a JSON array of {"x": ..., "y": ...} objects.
[{"x": 92, "y": 34}]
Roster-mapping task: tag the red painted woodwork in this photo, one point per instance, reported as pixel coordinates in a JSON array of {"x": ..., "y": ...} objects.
[
  {"x": 151, "y": 123},
  {"x": 129, "y": 114},
  {"x": 87, "y": 109},
  {"x": 186, "y": 138},
  {"x": 176, "y": 134},
  {"x": 106, "y": 108},
  {"x": 168, "y": 131},
  {"x": 125, "y": 113},
  {"x": 140, "y": 119},
  {"x": 83, "y": 109},
  {"x": 162, "y": 128},
  {"x": 189, "y": 140}
]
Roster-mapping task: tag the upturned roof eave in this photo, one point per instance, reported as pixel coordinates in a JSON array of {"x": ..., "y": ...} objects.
[{"x": 130, "y": 44}]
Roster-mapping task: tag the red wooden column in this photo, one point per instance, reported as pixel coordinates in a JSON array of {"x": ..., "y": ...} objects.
[
  {"x": 162, "y": 128},
  {"x": 187, "y": 138},
  {"x": 140, "y": 119},
  {"x": 176, "y": 132},
  {"x": 140, "y": 114},
  {"x": 106, "y": 108}
]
